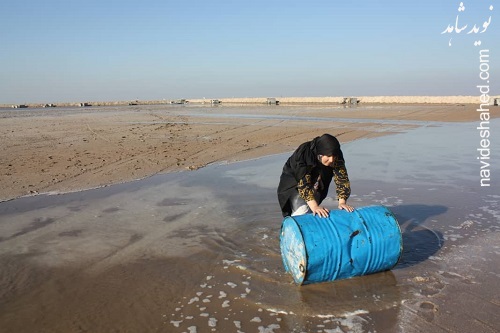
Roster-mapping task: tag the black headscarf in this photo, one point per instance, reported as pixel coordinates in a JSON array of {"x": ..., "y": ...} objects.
[{"x": 327, "y": 145}]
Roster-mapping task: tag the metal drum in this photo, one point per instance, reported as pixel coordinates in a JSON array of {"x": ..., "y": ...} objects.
[{"x": 341, "y": 246}]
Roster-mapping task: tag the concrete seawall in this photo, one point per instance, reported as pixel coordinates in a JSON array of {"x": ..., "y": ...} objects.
[
  {"x": 361, "y": 99},
  {"x": 291, "y": 100}
]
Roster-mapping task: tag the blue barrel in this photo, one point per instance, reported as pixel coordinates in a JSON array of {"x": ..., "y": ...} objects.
[{"x": 341, "y": 246}]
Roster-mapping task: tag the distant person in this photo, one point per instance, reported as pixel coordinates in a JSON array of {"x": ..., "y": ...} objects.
[{"x": 307, "y": 175}]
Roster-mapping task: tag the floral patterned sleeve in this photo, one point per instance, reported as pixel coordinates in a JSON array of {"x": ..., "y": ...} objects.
[
  {"x": 306, "y": 188},
  {"x": 341, "y": 180}
]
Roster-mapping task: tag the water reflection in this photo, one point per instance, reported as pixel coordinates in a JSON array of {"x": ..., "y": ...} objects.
[{"x": 419, "y": 241}]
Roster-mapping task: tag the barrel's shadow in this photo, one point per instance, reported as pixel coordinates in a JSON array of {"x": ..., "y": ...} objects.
[{"x": 419, "y": 241}]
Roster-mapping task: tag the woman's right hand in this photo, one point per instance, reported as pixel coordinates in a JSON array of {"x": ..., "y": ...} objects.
[
  {"x": 322, "y": 212},
  {"x": 317, "y": 209}
]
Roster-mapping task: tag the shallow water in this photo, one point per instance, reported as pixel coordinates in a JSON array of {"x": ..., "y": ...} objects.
[
  {"x": 247, "y": 112},
  {"x": 305, "y": 118},
  {"x": 199, "y": 251}
]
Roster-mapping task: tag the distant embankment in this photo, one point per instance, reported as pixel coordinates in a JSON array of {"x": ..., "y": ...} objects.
[
  {"x": 87, "y": 103},
  {"x": 360, "y": 99},
  {"x": 289, "y": 101}
]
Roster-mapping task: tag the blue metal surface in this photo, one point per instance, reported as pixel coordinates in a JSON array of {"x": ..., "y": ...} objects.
[{"x": 341, "y": 246}]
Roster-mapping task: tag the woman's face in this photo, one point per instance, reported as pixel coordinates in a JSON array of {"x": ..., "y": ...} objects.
[{"x": 327, "y": 160}]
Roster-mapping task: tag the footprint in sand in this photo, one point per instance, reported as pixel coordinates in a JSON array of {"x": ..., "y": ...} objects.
[{"x": 427, "y": 310}]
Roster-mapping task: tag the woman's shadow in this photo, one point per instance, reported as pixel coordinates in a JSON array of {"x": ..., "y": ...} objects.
[{"x": 419, "y": 242}]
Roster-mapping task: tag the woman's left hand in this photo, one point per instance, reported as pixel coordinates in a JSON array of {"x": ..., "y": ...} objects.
[{"x": 343, "y": 205}]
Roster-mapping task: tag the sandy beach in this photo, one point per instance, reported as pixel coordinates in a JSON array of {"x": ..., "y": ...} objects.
[
  {"x": 68, "y": 149},
  {"x": 158, "y": 233}
]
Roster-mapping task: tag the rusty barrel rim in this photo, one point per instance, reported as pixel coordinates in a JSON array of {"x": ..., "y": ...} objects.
[{"x": 293, "y": 250}]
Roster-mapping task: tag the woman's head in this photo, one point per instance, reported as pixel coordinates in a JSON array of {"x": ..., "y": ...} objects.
[{"x": 327, "y": 148}]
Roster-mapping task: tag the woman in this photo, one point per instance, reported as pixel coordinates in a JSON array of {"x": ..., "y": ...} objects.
[{"x": 307, "y": 174}]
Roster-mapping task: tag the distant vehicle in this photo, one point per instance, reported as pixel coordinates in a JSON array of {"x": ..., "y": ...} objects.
[
  {"x": 20, "y": 106},
  {"x": 215, "y": 101},
  {"x": 85, "y": 104},
  {"x": 272, "y": 101},
  {"x": 350, "y": 100},
  {"x": 179, "y": 101},
  {"x": 50, "y": 105}
]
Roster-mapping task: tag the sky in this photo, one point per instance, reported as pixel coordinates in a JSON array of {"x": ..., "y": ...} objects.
[{"x": 104, "y": 50}]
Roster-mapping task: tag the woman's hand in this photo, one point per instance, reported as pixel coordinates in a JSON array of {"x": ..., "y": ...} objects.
[
  {"x": 317, "y": 209},
  {"x": 343, "y": 205},
  {"x": 322, "y": 212}
]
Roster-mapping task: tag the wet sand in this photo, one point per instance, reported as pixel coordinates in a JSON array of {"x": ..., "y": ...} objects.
[{"x": 198, "y": 251}]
